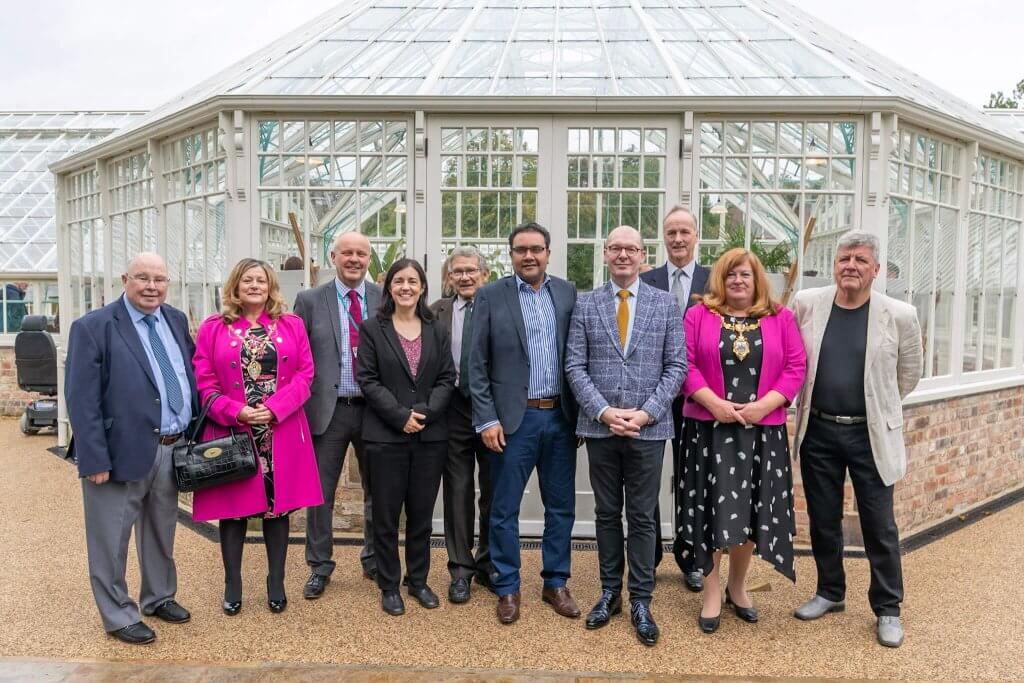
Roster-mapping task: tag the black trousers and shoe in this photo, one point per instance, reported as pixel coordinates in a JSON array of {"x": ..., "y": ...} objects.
[
  {"x": 626, "y": 474},
  {"x": 404, "y": 475},
  {"x": 828, "y": 451},
  {"x": 232, "y": 543}
]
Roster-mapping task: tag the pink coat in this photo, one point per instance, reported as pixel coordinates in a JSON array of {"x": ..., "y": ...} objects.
[
  {"x": 218, "y": 369},
  {"x": 783, "y": 365}
]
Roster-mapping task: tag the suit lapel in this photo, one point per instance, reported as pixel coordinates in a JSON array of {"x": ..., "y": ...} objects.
[
  {"x": 512, "y": 301},
  {"x": 330, "y": 292},
  {"x": 182, "y": 345},
  {"x": 427, "y": 350},
  {"x": 445, "y": 312},
  {"x": 821, "y": 313},
  {"x": 608, "y": 311},
  {"x": 699, "y": 284},
  {"x": 391, "y": 335},
  {"x": 878, "y": 320},
  {"x": 131, "y": 337},
  {"x": 641, "y": 319}
]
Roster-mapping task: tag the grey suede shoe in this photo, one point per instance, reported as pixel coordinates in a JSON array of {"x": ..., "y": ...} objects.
[
  {"x": 890, "y": 631},
  {"x": 818, "y": 607}
]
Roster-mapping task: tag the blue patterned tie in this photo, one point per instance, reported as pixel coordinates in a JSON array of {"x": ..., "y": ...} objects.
[{"x": 171, "y": 386}]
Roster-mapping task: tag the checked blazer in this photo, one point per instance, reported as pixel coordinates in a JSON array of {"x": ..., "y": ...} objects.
[{"x": 647, "y": 375}]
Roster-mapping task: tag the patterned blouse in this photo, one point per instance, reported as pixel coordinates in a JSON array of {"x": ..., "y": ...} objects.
[{"x": 412, "y": 350}]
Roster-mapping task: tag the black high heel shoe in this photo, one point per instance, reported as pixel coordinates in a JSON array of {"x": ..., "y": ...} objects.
[
  {"x": 276, "y": 606},
  {"x": 232, "y": 608},
  {"x": 709, "y": 624},
  {"x": 747, "y": 614}
]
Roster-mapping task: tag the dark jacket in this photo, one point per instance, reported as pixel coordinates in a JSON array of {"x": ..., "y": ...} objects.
[
  {"x": 389, "y": 388},
  {"x": 659, "y": 278}
]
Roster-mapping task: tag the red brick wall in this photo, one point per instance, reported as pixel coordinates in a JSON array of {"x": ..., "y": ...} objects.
[{"x": 12, "y": 399}]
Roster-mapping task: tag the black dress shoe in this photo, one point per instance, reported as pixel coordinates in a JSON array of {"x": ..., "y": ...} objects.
[
  {"x": 171, "y": 612},
  {"x": 370, "y": 573},
  {"x": 391, "y": 602},
  {"x": 484, "y": 579},
  {"x": 694, "y": 581},
  {"x": 135, "y": 634},
  {"x": 607, "y": 606},
  {"x": 747, "y": 614},
  {"x": 232, "y": 608},
  {"x": 458, "y": 591},
  {"x": 423, "y": 595},
  {"x": 643, "y": 621},
  {"x": 315, "y": 585}
]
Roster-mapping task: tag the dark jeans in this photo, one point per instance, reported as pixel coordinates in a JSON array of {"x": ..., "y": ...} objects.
[
  {"x": 544, "y": 440},
  {"x": 618, "y": 466},
  {"x": 827, "y": 452},
  {"x": 467, "y": 456},
  {"x": 404, "y": 475}
]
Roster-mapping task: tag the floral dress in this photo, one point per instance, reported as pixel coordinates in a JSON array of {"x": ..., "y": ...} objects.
[{"x": 259, "y": 371}]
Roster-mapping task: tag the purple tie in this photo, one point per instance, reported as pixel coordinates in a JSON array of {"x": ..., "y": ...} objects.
[{"x": 355, "y": 318}]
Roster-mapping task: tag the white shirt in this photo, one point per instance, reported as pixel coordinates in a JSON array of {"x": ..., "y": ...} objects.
[{"x": 685, "y": 280}]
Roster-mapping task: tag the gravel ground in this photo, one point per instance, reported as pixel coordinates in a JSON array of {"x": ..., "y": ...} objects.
[{"x": 962, "y": 611}]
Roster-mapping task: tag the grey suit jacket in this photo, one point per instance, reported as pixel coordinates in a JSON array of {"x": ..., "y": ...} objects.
[
  {"x": 499, "y": 360},
  {"x": 647, "y": 375},
  {"x": 318, "y": 308},
  {"x": 892, "y": 368}
]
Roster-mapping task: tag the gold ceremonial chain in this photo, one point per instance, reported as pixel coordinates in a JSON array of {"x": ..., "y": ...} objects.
[
  {"x": 257, "y": 348},
  {"x": 740, "y": 345}
]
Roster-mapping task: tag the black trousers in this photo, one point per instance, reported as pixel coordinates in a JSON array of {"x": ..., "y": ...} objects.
[
  {"x": 626, "y": 473},
  {"x": 404, "y": 475},
  {"x": 827, "y": 452},
  {"x": 467, "y": 456}
]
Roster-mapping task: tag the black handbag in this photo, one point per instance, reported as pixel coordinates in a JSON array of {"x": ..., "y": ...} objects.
[{"x": 203, "y": 465}]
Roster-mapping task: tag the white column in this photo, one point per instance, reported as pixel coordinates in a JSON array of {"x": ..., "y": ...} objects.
[
  {"x": 241, "y": 216},
  {"x": 874, "y": 204}
]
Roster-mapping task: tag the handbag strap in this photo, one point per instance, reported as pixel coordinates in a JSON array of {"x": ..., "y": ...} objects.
[{"x": 202, "y": 416}]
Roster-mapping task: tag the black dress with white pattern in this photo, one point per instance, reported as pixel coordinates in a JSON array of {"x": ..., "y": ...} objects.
[{"x": 737, "y": 484}]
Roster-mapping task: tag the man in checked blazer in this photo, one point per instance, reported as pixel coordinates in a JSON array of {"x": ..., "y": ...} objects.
[{"x": 624, "y": 363}]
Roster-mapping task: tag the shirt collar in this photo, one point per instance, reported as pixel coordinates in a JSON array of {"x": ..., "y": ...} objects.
[
  {"x": 344, "y": 289},
  {"x": 136, "y": 314},
  {"x": 461, "y": 303},
  {"x": 633, "y": 289},
  {"x": 520, "y": 283},
  {"x": 688, "y": 269}
]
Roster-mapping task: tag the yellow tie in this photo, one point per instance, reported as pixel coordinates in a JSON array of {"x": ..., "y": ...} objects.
[{"x": 623, "y": 316}]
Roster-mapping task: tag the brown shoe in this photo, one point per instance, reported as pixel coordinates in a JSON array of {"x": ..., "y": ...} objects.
[
  {"x": 508, "y": 608},
  {"x": 562, "y": 602}
]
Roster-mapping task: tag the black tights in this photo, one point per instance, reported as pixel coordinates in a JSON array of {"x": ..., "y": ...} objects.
[{"x": 232, "y": 541}]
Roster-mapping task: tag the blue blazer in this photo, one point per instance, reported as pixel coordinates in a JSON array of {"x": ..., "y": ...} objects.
[
  {"x": 111, "y": 393},
  {"x": 499, "y": 362},
  {"x": 658, "y": 278},
  {"x": 647, "y": 375}
]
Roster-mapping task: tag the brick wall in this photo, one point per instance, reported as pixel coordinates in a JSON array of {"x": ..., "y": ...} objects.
[{"x": 12, "y": 399}]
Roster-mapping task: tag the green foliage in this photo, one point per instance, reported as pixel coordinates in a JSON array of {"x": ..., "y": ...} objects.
[
  {"x": 775, "y": 260},
  {"x": 380, "y": 264},
  {"x": 580, "y": 266},
  {"x": 1014, "y": 100}
]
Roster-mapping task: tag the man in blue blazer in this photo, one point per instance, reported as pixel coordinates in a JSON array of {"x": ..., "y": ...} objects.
[
  {"x": 683, "y": 277},
  {"x": 131, "y": 395},
  {"x": 524, "y": 412},
  {"x": 623, "y": 363}
]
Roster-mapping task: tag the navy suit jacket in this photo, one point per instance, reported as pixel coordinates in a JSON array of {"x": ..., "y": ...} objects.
[
  {"x": 499, "y": 361},
  {"x": 111, "y": 393},
  {"x": 658, "y": 277}
]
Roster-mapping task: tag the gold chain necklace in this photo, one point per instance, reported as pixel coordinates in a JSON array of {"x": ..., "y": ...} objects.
[
  {"x": 257, "y": 348},
  {"x": 740, "y": 345}
]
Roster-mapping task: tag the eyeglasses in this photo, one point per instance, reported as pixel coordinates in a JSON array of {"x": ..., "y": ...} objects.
[
  {"x": 536, "y": 250},
  {"x": 159, "y": 280},
  {"x": 459, "y": 274},
  {"x": 629, "y": 251}
]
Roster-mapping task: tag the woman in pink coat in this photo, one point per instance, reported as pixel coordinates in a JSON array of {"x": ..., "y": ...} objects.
[
  {"x": 746, "y": 363},
  {"x": 255, "y": 359}
]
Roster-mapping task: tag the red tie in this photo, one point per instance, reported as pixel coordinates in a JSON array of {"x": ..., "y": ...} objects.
[{"x": 355, "y": 318}]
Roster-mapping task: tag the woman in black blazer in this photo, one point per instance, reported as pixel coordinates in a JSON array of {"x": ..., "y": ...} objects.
[{"x": 405, "y": 369}]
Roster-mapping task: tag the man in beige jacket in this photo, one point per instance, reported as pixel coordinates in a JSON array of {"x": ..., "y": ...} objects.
[{"x": 863, "y": 357}]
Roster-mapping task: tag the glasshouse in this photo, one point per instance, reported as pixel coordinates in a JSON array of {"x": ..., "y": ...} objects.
[{"x": 427, "y": 124}]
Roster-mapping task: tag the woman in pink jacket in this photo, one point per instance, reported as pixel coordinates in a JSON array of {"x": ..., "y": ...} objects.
[
  {"x": 255, "y": 359},
  {"x": 746, "y": 363}
]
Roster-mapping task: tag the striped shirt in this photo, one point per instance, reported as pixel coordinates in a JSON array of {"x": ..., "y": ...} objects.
[
  {"x": 541, "y": 338},
  {"x": 347, "y": 382}
]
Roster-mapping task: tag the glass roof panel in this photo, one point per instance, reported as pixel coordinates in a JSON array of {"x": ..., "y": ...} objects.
[
  {"x": 476, "y": 59},
  {"x": 577, "y": 24},
  {"x": 794, "y": 59},
  {"x": 368, "y": 24},
  {"x": 529, "y": 59},
  {"x": 740, "y": 60},
  {"x": 696, "y": 60},
  {"x": 582, "y": 59},
  {"x": 536, "y": 23},
  {"x": 636, "y": 58}
]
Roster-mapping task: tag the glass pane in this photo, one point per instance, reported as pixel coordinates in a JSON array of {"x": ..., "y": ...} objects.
[
  {"x": 898, "y": 265},
  {"x": 711, "y": 138},
  {"x": 763, "y": 138},
  {"x": 945, "y": 270}
]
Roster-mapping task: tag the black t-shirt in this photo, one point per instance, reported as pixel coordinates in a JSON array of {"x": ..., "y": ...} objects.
[{"x": 839, "y": 384}]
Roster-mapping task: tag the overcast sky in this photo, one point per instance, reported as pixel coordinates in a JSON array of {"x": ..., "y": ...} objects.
[{"x": 108, "y": 54}]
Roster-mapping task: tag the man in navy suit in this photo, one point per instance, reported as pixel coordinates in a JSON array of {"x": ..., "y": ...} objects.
[
  {"x": 524, "y": 411},
  {"x": 683, "y": 277},
  {"x": 130, "y": 394}
]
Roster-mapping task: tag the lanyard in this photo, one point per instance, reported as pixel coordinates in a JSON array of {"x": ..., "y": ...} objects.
[{"x": 343, "y": 304}]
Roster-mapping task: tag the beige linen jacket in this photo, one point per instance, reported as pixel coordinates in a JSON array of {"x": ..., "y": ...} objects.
[{"x": 892, "y": 368}]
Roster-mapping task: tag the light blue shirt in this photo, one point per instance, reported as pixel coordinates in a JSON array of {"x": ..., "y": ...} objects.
[
  {"x": 347, "y": 385},
  {"x": 170, "y": 423},
  {"x": 634, "y": 290}
]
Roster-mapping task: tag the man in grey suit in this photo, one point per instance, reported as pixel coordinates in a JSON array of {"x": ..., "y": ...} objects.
[
  {"x": 863, "y": 358},
  {"x": 624, "y": 365},
  {"x": 332, "y": 313},
  {"x": 683, "y": 277},
  {"x": 524, "y": 410},
  {"x": 130, "y": 394}
]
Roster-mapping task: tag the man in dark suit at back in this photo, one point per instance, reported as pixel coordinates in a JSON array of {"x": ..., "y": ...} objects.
[
  {"x": 130, "y": 394},
  {"x": 682, "y": 276},
  {"x": 467, "y": 273},
  {"x": 525, "y": 412}
]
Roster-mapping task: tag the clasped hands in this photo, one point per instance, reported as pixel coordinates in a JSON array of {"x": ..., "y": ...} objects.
[
  {"x": 625, "y": 422},
  {"x": 255, "y": 415},
  {"x": 744, "y": 413},
  {"x": 415, "y": 423}
]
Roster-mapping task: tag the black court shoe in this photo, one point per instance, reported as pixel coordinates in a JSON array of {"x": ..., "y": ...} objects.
[{"x": 747, "y": 614}]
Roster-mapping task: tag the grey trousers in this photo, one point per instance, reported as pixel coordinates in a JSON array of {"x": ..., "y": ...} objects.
[
  {"x": 330, "y": 447},
  {"x": 149, "y": 505},
  {"x": 626, "y": 473}
]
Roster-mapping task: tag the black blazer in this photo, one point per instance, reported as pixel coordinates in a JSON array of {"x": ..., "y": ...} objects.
[
  {"x": 658, "y": 277},
  {"x": 383, "y": 373}
]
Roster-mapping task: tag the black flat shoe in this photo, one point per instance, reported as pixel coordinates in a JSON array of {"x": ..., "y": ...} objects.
[
  {"x": 747, "y": 614},
  {"x": 232, "y": 608},
  {"x": 424, "y": 596},
  {"x": 391, "y": 602},
  {"x": 135, "y": 634},
  {"x": 458, "y": 591},
  {"x": 709, "y": 624}
]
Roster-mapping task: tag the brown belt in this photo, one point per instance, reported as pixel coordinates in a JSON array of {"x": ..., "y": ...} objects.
[
  {"x": 170, "y": 439},
  {"x": 544, "y": 403}
]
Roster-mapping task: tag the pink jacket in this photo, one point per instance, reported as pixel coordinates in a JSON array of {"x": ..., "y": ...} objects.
[
  {"x": 218, "y": 369},
  {"x": 783, "y": 365}
]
